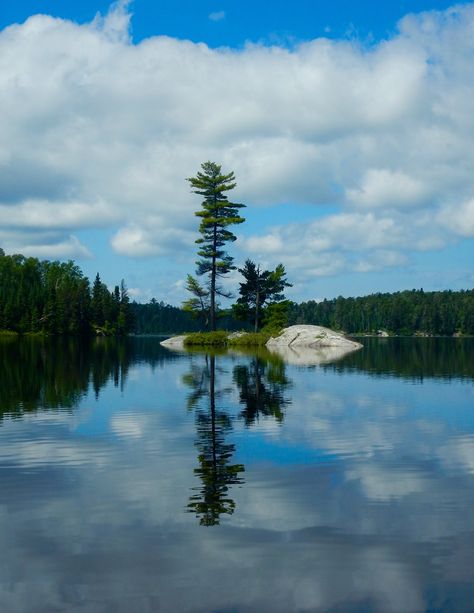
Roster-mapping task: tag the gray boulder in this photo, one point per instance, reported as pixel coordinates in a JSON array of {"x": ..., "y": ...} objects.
[
  {"x": 311, "y": 345},
  {"x": 313, "y": 337},
  {"x": 175, "y": 342}
]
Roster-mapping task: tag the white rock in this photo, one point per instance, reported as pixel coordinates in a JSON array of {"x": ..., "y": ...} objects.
[
  {"x": 312, "y": 337},
  {"x": 311, "y": 345},
  {"x": 175, "y": 342}
]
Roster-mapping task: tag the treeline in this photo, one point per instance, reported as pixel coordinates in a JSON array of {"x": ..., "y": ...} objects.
[
  {"x": 403, "y": 313},
  {"x": 160, "y": 318},
  {"x": 40, "y": 296}
]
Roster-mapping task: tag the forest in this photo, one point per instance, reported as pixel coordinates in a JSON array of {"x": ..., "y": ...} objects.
[
  {"x": 406, "y": 313},
  {"x": 160, "y": 318},
  {"x": 40, "y": 296}
]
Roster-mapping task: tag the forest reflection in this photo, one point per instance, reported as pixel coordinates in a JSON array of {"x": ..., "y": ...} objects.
[
  {"x": 38, "y": 373},
  {"x": 261, "y": 383},
  {"x": 55, "y": 373},
  {"x": 411, "y": 358},
  {"x": 225, "y": 391}
]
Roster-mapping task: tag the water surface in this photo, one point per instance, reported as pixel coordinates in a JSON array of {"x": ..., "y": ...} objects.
[{"x": 137, "y": 479}]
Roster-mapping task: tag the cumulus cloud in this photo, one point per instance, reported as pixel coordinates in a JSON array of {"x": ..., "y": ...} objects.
[
  {"x": 359, "y": 242},
  {"x": 459, "y": 218},
  {"x": 138, "y": 241},
  {"x": 44, "y": 244},
  {"x": 385, "y": 188},
  {"x": 99, "y": 132}
]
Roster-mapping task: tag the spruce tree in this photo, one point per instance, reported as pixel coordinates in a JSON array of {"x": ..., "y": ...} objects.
[{"x": 217, "y": 214}]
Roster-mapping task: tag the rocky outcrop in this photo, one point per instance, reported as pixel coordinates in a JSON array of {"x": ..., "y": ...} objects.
[
  {"x": 175, "y": 342},
  {"x": 311, "y": 337},
  {"x": 303, "y": 345},
  {"x": 311, "y": 345}
]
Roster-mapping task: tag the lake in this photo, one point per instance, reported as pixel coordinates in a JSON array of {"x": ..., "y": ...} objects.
[{"x": 136, "y": 479}]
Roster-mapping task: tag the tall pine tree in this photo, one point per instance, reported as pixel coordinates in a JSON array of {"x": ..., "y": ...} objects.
[{"x": 217, "y": 214}]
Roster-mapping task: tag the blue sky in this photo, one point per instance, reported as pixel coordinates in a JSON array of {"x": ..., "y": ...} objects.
[
  {"x": 234, "y": 22},
  {"x": 349, "y": 126}
]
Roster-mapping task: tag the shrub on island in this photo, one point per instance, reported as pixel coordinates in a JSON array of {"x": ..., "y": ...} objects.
[{"x": 221, "y": 338}]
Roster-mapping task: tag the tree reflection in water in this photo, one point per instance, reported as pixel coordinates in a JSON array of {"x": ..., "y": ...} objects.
[
  {"x": 261, "y": 386},
  {"x": 55, "y": 373},
  {"x": 261, "y": 383},
  {"x": 38, "y": 373},
  {"x": 215, "y": 455}
]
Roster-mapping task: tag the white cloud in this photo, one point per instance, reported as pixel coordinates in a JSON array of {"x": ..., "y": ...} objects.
[
  {"x": 217, "y": 16},
  {"x": 44, "y": 214},
  {"x": 382, "y": 188},
  {"x": 359, "y": 242},
  {"x": 153, "y": 239},
  {"x": 68, "y": 248},
  {"x": 100, "y": 132},
  {"x": 115, "y": 25},
  {"x": 459, "y": 218},
  {"x": 44, "y": 245}
]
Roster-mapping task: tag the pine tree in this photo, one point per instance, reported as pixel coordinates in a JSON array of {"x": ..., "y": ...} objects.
[
  {"x": 259, "y": 288},
  {"x": 198, "y": 305},
  {"x": 216, "y": 215},
  {"x": 97, "y": 304}
]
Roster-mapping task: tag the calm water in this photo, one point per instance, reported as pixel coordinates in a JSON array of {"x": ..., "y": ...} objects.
[{"x": 134, "y": 479}]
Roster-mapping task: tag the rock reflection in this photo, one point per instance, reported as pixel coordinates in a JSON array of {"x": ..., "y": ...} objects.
[
  {"x": 216, "y": 470},
  {"x": 311, "y": 356}
]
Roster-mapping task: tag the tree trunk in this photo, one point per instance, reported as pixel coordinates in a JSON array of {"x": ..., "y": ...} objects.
[
  {"x": 257, "y": 299},
  {"x": 212, "y": 311},
  {"x": 257, "y": 309}
]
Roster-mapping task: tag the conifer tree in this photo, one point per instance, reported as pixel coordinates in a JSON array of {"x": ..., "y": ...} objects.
[
  {"x": 259, "y": 288},
  {"x": 217, "y": 214},
  {"x": 198, "y": 305}
]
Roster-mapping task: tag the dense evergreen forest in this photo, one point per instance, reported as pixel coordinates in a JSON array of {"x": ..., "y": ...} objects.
[
  {"x": 160, "y": 318},
  {"x": 56, "y": 298},
  {"x": 402, "y": 313},
  {"x": 39, "y": 296}
]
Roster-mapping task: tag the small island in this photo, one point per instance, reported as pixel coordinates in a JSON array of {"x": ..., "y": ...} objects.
[{"x": 300, "y": 344}]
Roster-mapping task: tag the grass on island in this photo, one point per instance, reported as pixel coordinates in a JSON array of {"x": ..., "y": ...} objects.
[
  {"x": 250, "y": 339},
  {"x": 213, "y": 339},
  {"x": 221, "y": 338},
  {"x": 8, "y": 333}
]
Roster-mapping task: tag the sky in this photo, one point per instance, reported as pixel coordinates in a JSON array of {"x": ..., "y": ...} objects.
[{"x": 349, "y": 126}]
